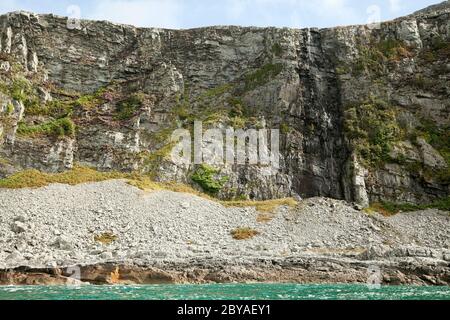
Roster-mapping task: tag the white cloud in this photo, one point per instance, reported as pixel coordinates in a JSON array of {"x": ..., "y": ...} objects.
[{"x": 141, "y": 13}]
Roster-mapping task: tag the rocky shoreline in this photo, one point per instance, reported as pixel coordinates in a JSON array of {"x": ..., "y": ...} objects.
[
  {"x": 51, "y": 236},
  {"x": 408, "y": 271}
]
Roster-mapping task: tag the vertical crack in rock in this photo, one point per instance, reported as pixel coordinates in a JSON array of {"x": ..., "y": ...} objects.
[{"x": 363, "y": 112}]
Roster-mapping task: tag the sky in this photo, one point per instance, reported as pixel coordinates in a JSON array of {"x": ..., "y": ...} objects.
[{"x": 183, "y": 14}]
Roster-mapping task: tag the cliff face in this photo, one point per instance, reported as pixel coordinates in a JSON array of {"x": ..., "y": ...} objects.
[{"x": 363, "y": 110}]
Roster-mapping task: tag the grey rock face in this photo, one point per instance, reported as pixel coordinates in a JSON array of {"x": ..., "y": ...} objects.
[{"x": 302, "y": 81}]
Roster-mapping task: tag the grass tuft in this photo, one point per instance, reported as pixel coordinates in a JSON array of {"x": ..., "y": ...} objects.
[
  {"x": 106, "y": 238},
  {"x": 262, "y": 206},
  {"x": 244, "y": 233}
]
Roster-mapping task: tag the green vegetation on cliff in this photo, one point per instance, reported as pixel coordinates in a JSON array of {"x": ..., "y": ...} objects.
[
  {"x": 127, "y": 108},
  {"x": 439, "y": 138},
  {"x": 391, "y": 208},
  {"x": 277, "y": 50},
  {"x": 63, "y": 127},
  {"x": 90, "y": 101},
  {"x": 439, "y": 49},
  {"x": 208, "y": 178},
  {"x": 375, "y": 56},
  {"x": 55, "y": 108},
  {"x": 262, "y": 76},
  {"x": 372, "y": 130}
]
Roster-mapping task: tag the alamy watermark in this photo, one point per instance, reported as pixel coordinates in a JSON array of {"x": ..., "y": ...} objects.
[
  {"x": 374, "y": 277},
  {"x": 374, "y": 17},
  {"x": 74, "y": 274},
  {"x": 74, "y": 17},
  {"x": 227, "y": 147}
]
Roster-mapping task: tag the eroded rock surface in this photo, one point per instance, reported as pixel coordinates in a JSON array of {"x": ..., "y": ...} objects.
[{"x": 363, "y": 110}]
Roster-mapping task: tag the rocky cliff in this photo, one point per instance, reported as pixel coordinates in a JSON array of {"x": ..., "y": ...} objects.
[{"x": 363, "y": 110}]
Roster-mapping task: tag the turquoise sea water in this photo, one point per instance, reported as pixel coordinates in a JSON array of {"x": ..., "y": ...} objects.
[{"x": 224, "y": 291}]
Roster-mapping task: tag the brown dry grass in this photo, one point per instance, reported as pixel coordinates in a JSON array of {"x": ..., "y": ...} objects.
[
  {"x": 265, "y": 217},
  {"x": 80, "y": 174},
  {"x": 37, "y": 179},
  {"x": 105, "y": 238},
  {"x": 244, "y": 233},
  {"x": 262, "y": 206}
]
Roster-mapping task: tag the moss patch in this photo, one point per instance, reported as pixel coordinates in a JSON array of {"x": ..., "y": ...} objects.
[
  {"x": 58, "y": 128},
  {"x": 103, "y": 95},
  {"x": 54, "y": 108},
  {"x": 21, "y": 89}
]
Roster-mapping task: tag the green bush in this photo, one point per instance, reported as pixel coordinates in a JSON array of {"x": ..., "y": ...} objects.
[
  {"x": 57, "y": 128},
  {"x": 207, "y": 178},
  {"x": 342, "y": 69},
  {"x": 128, "y": 108}
]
